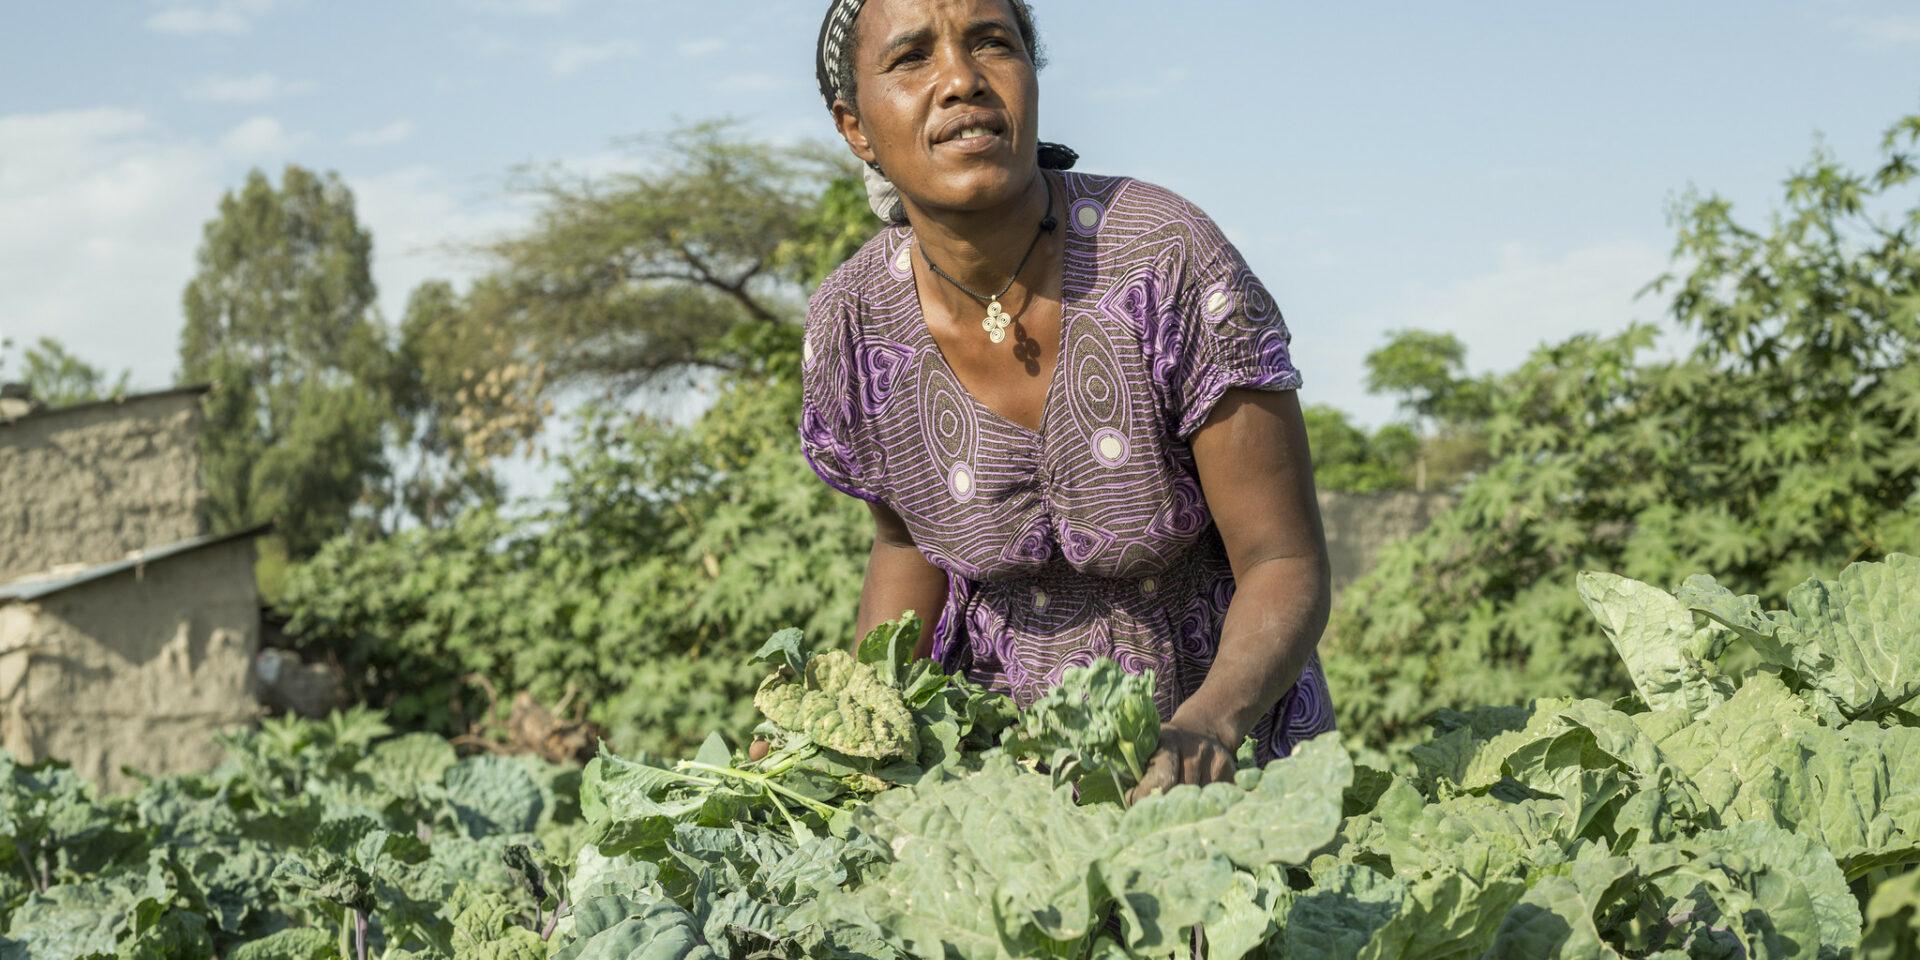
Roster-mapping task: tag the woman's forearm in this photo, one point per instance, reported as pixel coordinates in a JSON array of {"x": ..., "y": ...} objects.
[
  {"x": 1272, "y": 627},
  {"x": 899, "y": 579}
]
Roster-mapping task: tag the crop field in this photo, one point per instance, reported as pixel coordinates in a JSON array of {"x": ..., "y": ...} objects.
[
  {"x": 1755, "y": 797},
  {"x": 1559, "y": 737}
]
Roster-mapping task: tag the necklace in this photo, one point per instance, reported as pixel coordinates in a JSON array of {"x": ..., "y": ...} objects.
[{"x": 997, "y": 318}]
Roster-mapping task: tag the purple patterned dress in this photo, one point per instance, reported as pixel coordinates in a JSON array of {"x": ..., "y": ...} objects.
[{"x": 1089, "y": 537}]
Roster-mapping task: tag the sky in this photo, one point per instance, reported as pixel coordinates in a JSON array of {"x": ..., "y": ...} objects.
[{"x": 1502, "y": 170}]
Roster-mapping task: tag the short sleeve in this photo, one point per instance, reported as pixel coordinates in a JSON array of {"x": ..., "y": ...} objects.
[
  {"x": 1231, "y": 333},
  {"x": 830, "y": 414}
]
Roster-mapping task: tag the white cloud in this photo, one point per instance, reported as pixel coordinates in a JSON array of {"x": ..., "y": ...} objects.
[
  {"x": 1502, "y": 315},
  {"x": 227, "y": 17},
  {"x": 100, "y": 214},
  {"x": 571, "y": 58},
  {"x": 704, "y": 47},
  {"x": 260, "y": 138},
  {"x": 424, "y": 227},
  {"x": 393, "y": 132},
  {"x": 256, "y": 88},
  {"x": 1881, "y": 31},
  {"x": 1530, "y": 299}
]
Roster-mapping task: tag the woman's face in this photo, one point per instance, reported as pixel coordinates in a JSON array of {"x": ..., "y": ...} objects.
[{"x": 948, "y": 102}]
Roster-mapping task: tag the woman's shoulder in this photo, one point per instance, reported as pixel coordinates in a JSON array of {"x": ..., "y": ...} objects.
[
  {"x": 1123, "y": 208},
  {"x": 876, "y": 258}
]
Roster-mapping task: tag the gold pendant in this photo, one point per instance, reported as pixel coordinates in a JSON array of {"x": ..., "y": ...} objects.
[{"x": 996, "y": 322}]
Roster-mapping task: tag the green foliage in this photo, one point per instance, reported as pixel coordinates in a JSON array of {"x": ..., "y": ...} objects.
[
  {"x": 279, "y": 320},
  {"x": 628, "y": 278},
  {"x": 1448, "y": 410},
  {"x": 668, "y": 551},
  {"x": 1753, "y": 801},
  {"x": 1428, "y": 372},
  {"x": 840, "y": 222},
  {"x": 1096, "y": 730},
  {"x": 308, "y": 836},
  {"x": 671, "y": 552},
  {"x": 464, "y": 396},
  {"x": 1717, "y": 814},
  {"x": 1347, "y": 459},
  {"x": 842, "y": 704},
  {"x": 57, "y": 378},
  {"x": 1893, "y": 921},
  {"x": 1785, "y": 443},
  {"x": 1443, "y": 442}
]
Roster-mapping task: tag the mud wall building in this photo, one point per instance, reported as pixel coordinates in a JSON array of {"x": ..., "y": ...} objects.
[
  {"x": 127, "y": 634},
  {"x": 92, "y": 482}
]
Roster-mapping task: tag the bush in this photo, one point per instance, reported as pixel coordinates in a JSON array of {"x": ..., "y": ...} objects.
[{"x": 670, "y": 552}]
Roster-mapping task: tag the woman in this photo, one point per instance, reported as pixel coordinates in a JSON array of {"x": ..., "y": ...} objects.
[{"x": 1066, "y": 400}]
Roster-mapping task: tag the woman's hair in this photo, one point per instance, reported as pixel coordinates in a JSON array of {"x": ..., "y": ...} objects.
[{"x": 842, "y": 67}]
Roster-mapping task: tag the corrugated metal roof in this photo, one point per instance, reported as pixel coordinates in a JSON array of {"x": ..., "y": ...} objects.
[
  {"x": 111, "y": 402},
  {"x": 35, "y": 586}
]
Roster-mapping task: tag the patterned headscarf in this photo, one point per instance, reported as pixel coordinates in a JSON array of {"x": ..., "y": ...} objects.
[{"x": 836, "y": 31}]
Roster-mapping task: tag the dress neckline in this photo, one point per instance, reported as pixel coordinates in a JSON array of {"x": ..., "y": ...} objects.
[{"x": 1071, "y": 253}]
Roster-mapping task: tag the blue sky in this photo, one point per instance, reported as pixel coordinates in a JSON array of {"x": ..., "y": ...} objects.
[{"x": 1502, "y": 170}]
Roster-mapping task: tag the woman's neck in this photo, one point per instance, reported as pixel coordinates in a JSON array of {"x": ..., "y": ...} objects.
[{"x": 980, "y": 248}]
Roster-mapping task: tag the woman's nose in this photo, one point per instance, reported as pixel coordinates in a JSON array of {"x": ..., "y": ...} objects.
[{"x": 961, "y": 78}]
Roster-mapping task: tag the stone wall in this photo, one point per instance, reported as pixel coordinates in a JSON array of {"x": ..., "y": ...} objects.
[
  {"x": 1359, "y": 525},
  {"x": 88, "y": 484},
  {"x": 138, "y": 668}
]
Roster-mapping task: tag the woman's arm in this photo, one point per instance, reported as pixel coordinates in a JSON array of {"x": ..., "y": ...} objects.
[
  {"x": 1257, "y": 476},
  {"x": 899, "y": 579}
]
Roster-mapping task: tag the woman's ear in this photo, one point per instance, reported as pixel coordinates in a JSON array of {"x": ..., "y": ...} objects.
[{"x": 851, "y": 130}]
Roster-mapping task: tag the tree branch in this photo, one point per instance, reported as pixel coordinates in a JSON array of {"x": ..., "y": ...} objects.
[{"x": 737, "y": 290}]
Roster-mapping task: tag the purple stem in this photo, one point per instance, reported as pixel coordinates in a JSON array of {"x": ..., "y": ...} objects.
[
  {"x": 546, "y": 933},
  {"x": 360, "y": 935}
]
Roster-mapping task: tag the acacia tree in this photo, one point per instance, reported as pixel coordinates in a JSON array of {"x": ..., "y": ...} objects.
[
  {"x": 1785, "y": 445},
  {"x": 280, "y": 321},
  {"x": 631, "y": 277}
]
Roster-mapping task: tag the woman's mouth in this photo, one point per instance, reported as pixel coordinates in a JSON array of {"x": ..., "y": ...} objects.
[
  {"x": 977, "y": 133},
  {"x": 973, "y": 140}
]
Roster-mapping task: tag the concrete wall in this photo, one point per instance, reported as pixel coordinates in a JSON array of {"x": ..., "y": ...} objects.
[
  {"x": 89, "y": 484},
  {"x": 1359, "y": 525},
  {"x": 136, "y": 669}
]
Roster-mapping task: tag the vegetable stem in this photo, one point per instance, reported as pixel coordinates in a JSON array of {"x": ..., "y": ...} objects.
[
  {"x": 763, "y": 780},
  {"x": 33, "y": 876}
]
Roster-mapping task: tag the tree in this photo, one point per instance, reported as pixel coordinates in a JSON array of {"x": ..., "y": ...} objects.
[
  {"x": 279, "y": 320},
  {"x": 1427, "y": 371},
  {"x": 467, "y": 392},
  {"x": 667, "y": 555},
  {"x": 633, "y": 277},
  {"x": 1347, "y": 459},
  {"x": 56, "y": 377},
  {"x": 1786, "y": 444}
]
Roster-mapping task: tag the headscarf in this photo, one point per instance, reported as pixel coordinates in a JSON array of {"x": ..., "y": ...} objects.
[{"x": 836, "y": 31}]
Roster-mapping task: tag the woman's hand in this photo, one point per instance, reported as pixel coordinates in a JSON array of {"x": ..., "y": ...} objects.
[{"x": 1193, "y": 749}]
